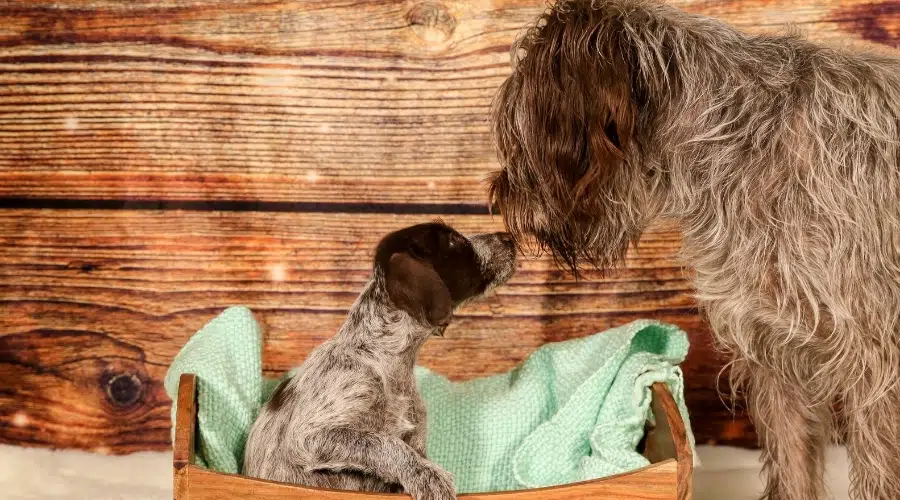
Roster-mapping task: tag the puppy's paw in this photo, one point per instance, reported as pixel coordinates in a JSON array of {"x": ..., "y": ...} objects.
[{"x": 431, "y": 482}]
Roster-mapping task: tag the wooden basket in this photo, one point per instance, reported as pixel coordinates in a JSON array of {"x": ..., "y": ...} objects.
[{"x": 667, "y": 448}]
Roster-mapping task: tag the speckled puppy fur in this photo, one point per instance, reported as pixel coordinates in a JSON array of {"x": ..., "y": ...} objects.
[{"x": 352, "y": 418}]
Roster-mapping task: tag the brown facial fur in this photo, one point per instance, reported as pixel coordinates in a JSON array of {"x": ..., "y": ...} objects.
[{"x": 567, "y": 141}]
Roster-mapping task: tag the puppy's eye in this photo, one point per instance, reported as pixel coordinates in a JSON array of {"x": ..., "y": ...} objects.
[{"x": 454, "y": 241}]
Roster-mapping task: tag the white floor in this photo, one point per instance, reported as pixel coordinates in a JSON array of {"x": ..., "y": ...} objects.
[{"x": 27, "y": 473}]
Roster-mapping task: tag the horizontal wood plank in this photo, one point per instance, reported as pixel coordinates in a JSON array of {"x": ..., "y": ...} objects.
[
  {"x": 301, "y": 101},
  {"x": 95, "y": 304}
]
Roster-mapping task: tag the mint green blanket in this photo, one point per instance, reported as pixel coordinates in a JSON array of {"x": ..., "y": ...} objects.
[{"x": 572, "y": 411}]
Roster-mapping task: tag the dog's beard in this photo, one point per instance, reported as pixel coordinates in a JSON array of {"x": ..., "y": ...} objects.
[
  {"x": 576, "y": 246},
  {"x": 594, "y": 229},
  {"x": 575, "y": 241}
]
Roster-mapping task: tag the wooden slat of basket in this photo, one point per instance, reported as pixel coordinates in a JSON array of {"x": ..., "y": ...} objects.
[
  {"x": 185, "y": 422},
  {"x": 184, "y": 438},
  {"x": 671, "y": 440},
  {"x": 656, "y": 482}
]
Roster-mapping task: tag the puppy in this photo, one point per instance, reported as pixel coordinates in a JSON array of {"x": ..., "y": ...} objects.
[
  {"x": 780, "y": 160},
  {"x": 351, "y": 418}
]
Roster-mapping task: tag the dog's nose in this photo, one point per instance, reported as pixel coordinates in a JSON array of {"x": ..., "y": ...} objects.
[{"x": 506, "y": 239}]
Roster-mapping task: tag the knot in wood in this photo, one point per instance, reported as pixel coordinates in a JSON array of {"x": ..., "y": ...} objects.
[
  {"x": 431, "y": 22},
  {"x": 124, "y": 389}
]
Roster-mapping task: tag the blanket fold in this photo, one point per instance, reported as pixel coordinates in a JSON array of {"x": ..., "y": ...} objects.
[{"x": 572, "y": 411}]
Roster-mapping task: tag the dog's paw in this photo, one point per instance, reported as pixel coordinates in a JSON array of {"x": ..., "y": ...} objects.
[{"x": 431, "y": 482}]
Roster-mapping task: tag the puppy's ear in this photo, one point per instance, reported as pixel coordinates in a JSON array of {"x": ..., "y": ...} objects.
[{"x": 415, "y": 287}]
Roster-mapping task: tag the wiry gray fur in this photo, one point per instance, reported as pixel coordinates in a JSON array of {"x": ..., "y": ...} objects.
[{"x": 780, "y": 160}]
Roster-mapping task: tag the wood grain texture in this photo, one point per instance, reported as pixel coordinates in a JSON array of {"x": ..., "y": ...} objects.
[
  {"x": 301, "y": 101},
  {"x": 655, "y": 482},
  {"x": 672, "y": 431},
  {"x": 663, "y": 480},
  {"x": 95, "y": 304},
  {"x": 282, "y": 106},
  {"x": 183, "y": 439},
  {"x": 185, "y": 422}
]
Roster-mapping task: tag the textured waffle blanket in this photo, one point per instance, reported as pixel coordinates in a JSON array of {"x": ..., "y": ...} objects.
[{"x": 572, "y": 411}]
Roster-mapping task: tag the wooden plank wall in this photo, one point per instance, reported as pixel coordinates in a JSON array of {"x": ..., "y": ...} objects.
[{"x": 161, "y": 160}]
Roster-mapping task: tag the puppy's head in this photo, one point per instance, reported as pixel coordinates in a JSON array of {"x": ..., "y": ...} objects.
[
  {"x": 564, "y": 124},
  {"x": 431, "y": 269}
]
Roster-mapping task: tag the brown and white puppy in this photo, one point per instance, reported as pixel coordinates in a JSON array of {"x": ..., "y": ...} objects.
[
  {"x": 780, "y": 161},
  {"x": 351, "y": 417}
]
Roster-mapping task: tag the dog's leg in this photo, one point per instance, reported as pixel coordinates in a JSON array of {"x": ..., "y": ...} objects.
[
  {"x": 387, "y": 457},
  {"x": 873, "y": 443},
  {"x": 793, "y": 432}
]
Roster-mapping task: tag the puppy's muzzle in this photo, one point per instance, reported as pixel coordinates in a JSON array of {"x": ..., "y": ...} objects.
[{"x": 497, "y": 257}]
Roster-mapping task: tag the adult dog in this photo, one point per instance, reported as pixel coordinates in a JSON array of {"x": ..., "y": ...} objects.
[{"x": 780, "y": 160}]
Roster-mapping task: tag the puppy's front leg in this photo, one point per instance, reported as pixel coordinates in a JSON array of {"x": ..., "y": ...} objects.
[
  {"x": 387, "y": 457},
  {"x": 418, "y": 440}
]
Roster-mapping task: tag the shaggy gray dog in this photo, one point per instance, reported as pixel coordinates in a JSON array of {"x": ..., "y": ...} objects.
[
  {"x": 780, "y": 161},
  {"x": 352, "y": 418}
]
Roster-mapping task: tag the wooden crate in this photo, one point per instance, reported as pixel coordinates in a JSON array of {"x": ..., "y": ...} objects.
[{"x": 667, "y": 478}]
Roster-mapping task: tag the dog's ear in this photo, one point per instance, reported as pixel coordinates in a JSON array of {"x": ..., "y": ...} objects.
[
  {"x": 594, "y": 76},
  {"x": 568, "y": 110},
  {"x": 610, "y": 114},
  {"x": 415, "y": 287},
  {"x": 564, "y": 123}
]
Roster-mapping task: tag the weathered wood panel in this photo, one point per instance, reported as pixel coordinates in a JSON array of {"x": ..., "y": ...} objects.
[
  {"x": 94, "y": 305},
  {"x": 272, "y": 100},
  {"x": 281, "y": 107}
]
